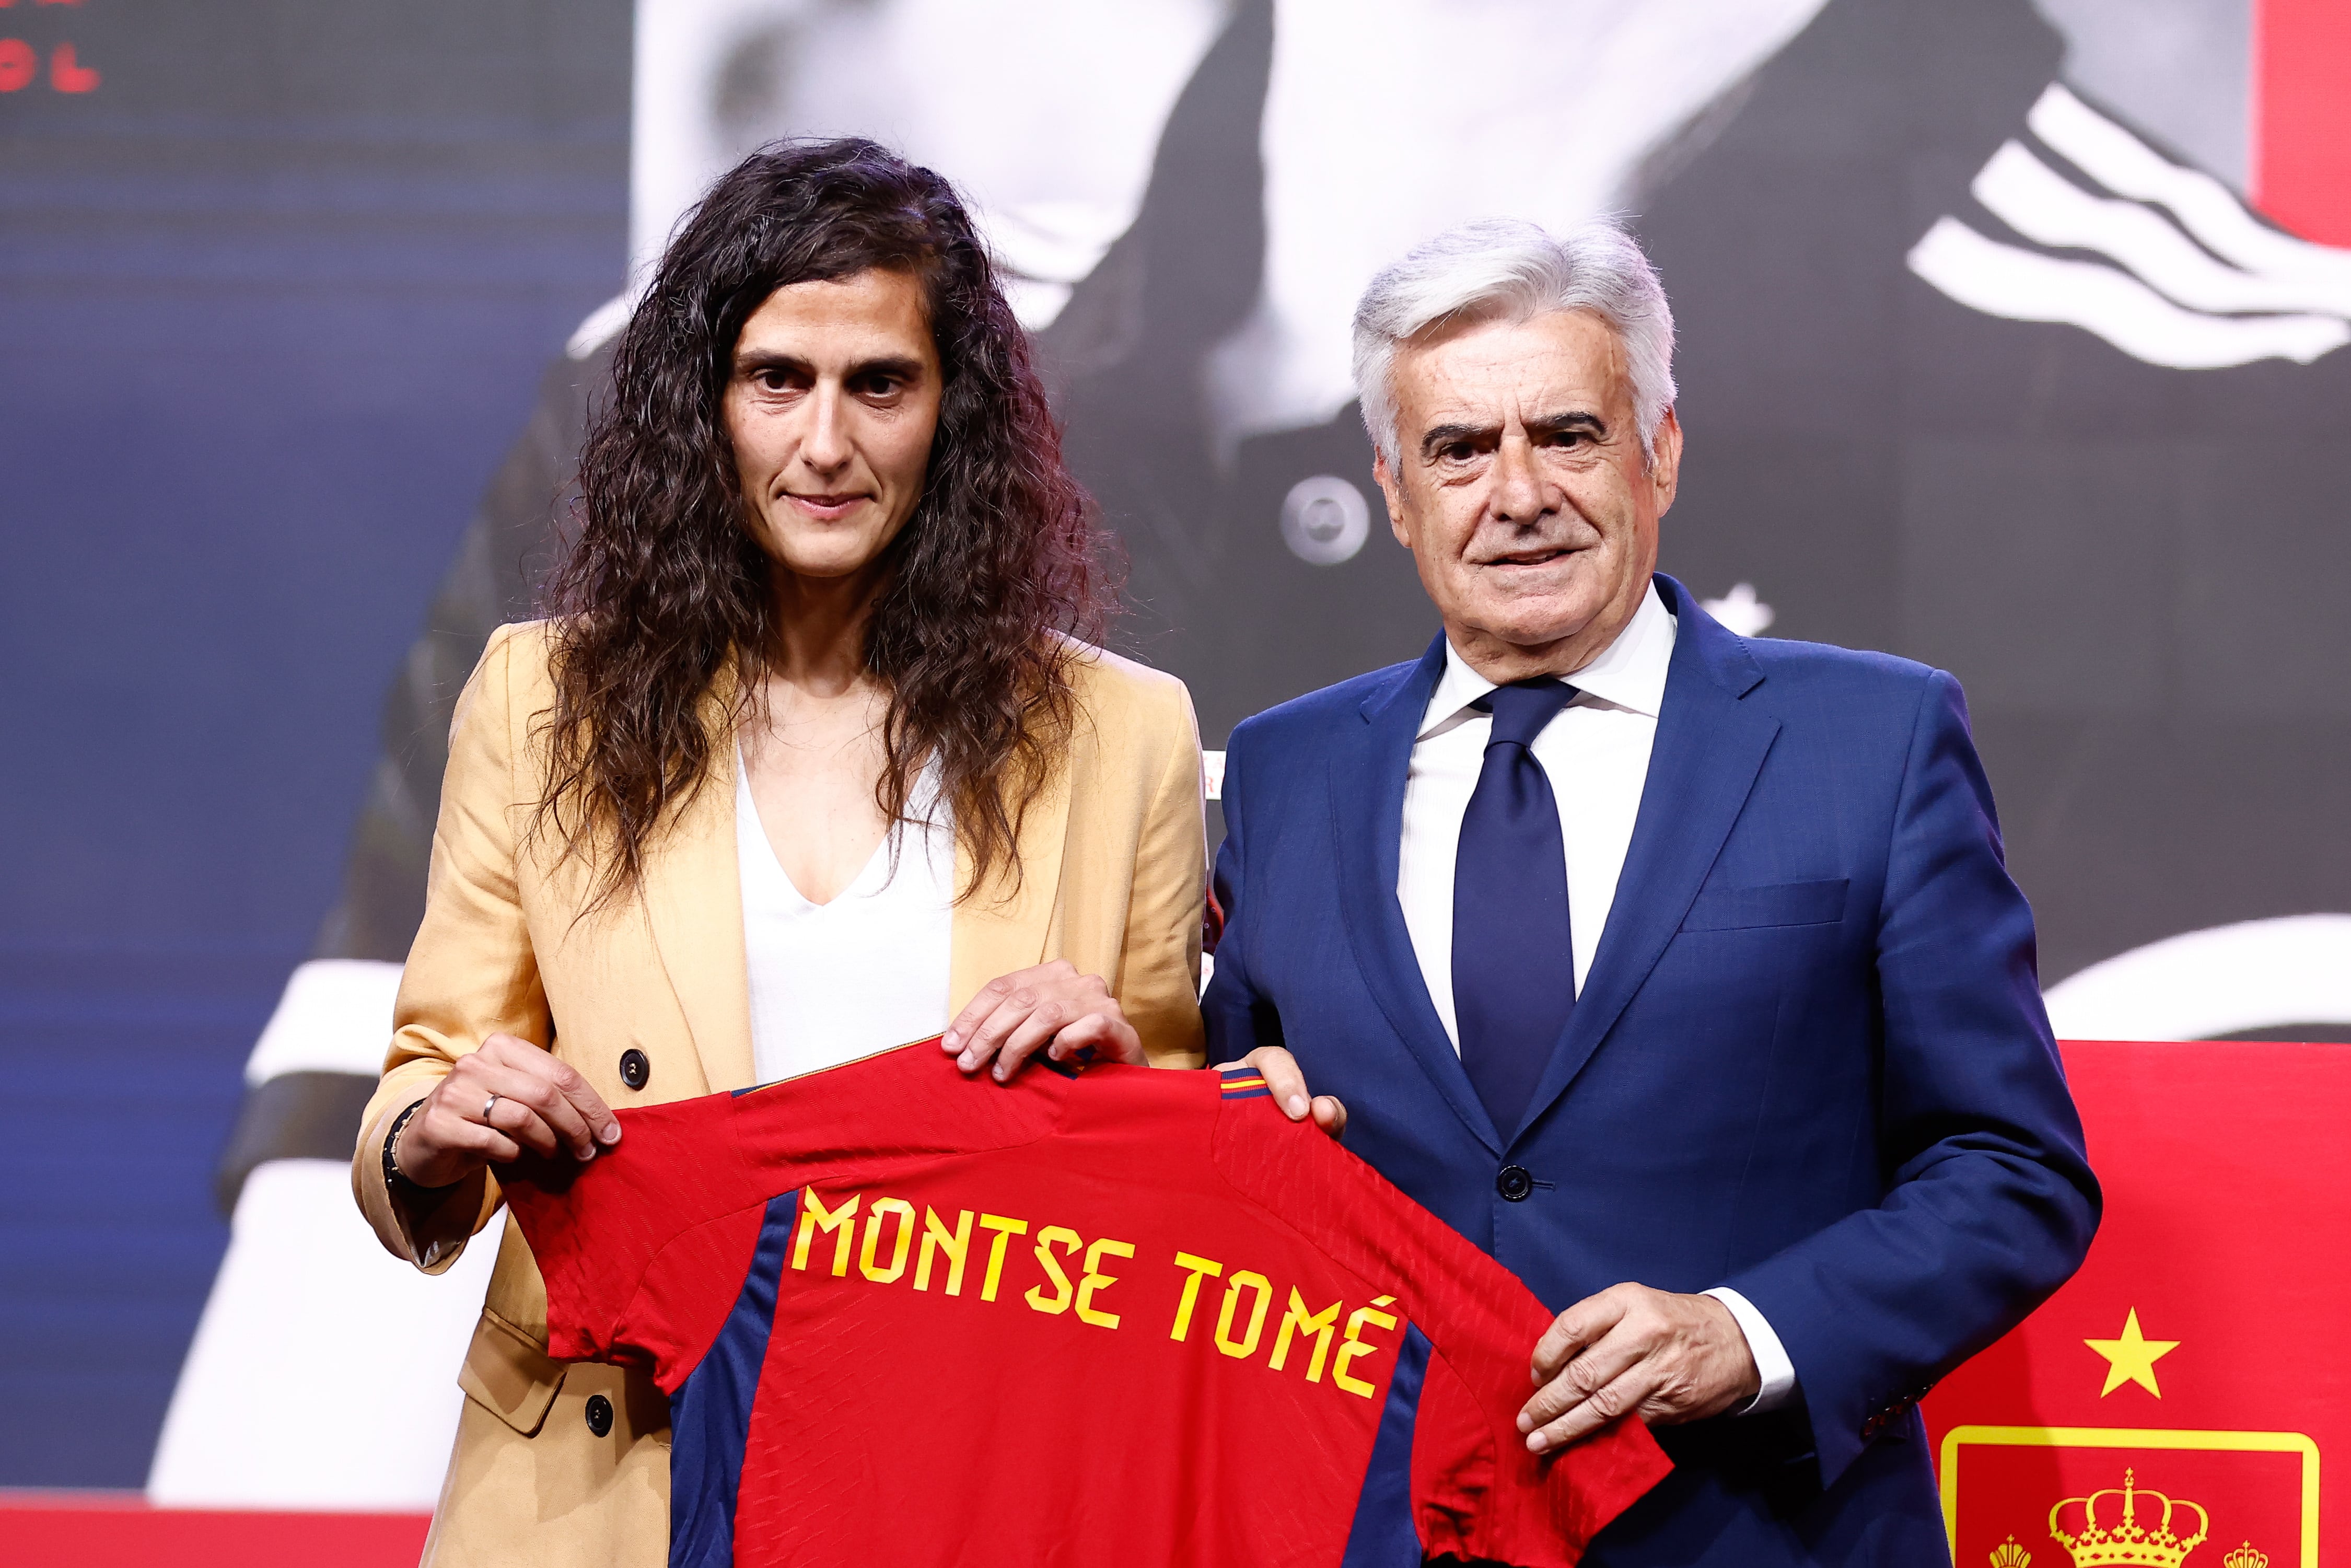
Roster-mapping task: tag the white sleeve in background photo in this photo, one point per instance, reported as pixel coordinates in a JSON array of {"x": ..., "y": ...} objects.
[{"x": 323, "y": 1373}]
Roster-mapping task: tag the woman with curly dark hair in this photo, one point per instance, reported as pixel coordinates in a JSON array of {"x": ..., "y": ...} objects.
[{"x": 815, "y": 755}]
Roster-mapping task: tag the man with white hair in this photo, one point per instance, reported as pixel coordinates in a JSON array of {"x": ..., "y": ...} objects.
[{"x": 1682, "y": 972}]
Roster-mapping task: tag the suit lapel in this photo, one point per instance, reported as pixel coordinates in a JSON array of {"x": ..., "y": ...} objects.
[
  {"x": 693, "y": 902},
  {"x": 1710, "y": 747},
  {"x": 1007, "y": 924},
  {"x": 1368, "y": 771}
]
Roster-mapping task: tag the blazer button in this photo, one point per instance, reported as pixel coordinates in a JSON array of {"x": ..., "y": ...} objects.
[
  {"x": 600, "y": 1414},
  {"x": 1514, "y": 1184},
  {"x": 635, "y": 1070}
]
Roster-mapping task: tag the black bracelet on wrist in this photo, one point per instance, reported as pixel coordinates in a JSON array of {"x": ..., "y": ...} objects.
[{"x": 393, "y": 1176}]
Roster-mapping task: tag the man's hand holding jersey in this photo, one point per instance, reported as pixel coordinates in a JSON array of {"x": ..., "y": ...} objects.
[
  {"x": 1288, "y": 1086},
  {"x": 1656, "y": 1354}
]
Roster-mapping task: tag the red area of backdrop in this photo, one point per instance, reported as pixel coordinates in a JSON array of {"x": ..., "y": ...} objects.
[
  {"x": 2301, "y": 115},
  {"x": 2198, "y": 1363},
  {"x": 68, "y": 1530}
]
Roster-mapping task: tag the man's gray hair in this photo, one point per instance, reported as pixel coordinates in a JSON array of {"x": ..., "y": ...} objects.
[{"x": 1510, "y": 268}]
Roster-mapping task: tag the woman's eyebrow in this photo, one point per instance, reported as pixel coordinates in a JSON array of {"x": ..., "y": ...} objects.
[
  {"x": 752, "y": 362},
  {"x": 905, "y": 367},
  {"x": 749, "y": 361}
]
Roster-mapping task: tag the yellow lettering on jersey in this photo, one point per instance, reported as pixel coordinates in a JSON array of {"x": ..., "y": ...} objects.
[
  {"x": 1005, "y": 1231},
  {"x": 1355, "y": 1345},
  {"x": 1068, "y": 1240},
  {"x": 1200, "y": 1268},
  {"x": 1246, "y": 1346},
  {"x": 815, "y": 1217},
  {"x": 955, "y": 1244},
  {"x": 1074, "y": 1279},
  {"x": 1095, "y": 1280},
  {"x": 1321, "y": 1325},
  {"x": 897, "y": 1264}
]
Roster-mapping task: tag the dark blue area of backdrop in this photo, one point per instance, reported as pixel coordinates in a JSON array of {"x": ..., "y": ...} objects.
[{"x": 274, "y": 298}]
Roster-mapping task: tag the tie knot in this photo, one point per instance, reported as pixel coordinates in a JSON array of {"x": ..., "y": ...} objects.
[{"x": 1522, "y": 708}]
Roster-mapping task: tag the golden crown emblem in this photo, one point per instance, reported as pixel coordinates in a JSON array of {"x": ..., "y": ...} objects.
[
  {"x": 2129, "y": 1544},
  {"x": 2009, "y": 1555},
  {"x": 2245, "y": 1556}
]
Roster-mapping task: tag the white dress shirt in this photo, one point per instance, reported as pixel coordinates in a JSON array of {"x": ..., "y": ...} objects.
[
  {"x": 1596, "y": 756},
  {"x": 833, "y": 982}
]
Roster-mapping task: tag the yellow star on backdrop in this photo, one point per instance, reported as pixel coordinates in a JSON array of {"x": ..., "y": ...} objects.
[{"x": 2132, "y": 1358}]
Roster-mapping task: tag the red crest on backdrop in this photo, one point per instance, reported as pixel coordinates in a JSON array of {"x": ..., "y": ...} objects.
[{"x": 2179, "y": 1403}]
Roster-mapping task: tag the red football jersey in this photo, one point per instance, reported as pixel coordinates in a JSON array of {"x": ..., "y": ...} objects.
[{"x": 1110, "y": 1317}]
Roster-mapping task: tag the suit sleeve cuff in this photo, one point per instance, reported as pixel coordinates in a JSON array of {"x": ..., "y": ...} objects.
[{"x": 1778, "y": 1373}]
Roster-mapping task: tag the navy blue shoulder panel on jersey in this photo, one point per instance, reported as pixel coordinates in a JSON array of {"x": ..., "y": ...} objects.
[
  {"x": 710, "y": 1414},
  {"x": 1384, "y": 1535}
]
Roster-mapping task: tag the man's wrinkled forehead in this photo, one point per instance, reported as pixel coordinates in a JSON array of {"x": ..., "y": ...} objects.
[{"x": 1540, "y": 368}]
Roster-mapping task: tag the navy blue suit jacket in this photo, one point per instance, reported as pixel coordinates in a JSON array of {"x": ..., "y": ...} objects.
[{"x": 1810, "y": 1061}]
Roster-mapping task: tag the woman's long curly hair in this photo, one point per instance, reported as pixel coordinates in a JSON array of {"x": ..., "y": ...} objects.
[{"x": 992, "y": 578}]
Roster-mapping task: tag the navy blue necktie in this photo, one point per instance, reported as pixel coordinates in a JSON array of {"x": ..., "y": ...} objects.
[{"x": 1513, "y": 957}]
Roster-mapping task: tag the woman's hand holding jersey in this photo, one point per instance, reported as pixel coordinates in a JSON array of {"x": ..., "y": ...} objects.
[
  {"x": 1049, "y": 1005},
  {"x": 511, "y": 1094},
  {"x": 496, "y": 1101}
]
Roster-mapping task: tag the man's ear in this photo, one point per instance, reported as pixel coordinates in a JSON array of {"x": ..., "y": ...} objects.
[
  {"x": 1383, "y": 476},
  {"x": 1665, "y": 460}
]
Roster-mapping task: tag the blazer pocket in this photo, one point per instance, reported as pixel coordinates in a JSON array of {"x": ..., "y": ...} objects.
[
  {"x": 1779, "y": 903},
  {"x": 510, "y": 1375}
]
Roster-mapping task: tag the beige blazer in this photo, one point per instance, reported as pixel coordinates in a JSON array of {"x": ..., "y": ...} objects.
[{"x": 1113, "y": 868}]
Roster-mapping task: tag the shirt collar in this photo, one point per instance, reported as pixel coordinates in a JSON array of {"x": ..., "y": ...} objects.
[{"x": 1629, "y": 674}]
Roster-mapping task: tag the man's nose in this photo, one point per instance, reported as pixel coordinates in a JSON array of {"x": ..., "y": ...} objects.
[{"x": 1520, "y": 494}]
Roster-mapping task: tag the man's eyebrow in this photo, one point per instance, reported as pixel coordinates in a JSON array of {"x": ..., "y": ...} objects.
[
  {"x": 1573, "y": 419},
  {"x": 1439, "y": 436},
  {"x": 1444, "y": 436}
]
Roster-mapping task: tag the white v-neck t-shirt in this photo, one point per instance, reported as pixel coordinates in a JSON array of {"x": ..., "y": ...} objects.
[{"x": 833, "y": 982}]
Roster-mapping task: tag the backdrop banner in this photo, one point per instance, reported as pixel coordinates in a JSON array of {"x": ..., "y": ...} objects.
[{"x": 2180, "y": 1400}]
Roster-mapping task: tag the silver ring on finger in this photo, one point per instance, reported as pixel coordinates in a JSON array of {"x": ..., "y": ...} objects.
[{"x": 488, "y": 1106}]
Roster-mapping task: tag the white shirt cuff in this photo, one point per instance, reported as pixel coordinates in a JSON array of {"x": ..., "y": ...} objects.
[{"x": 1779, "y": 1374}]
